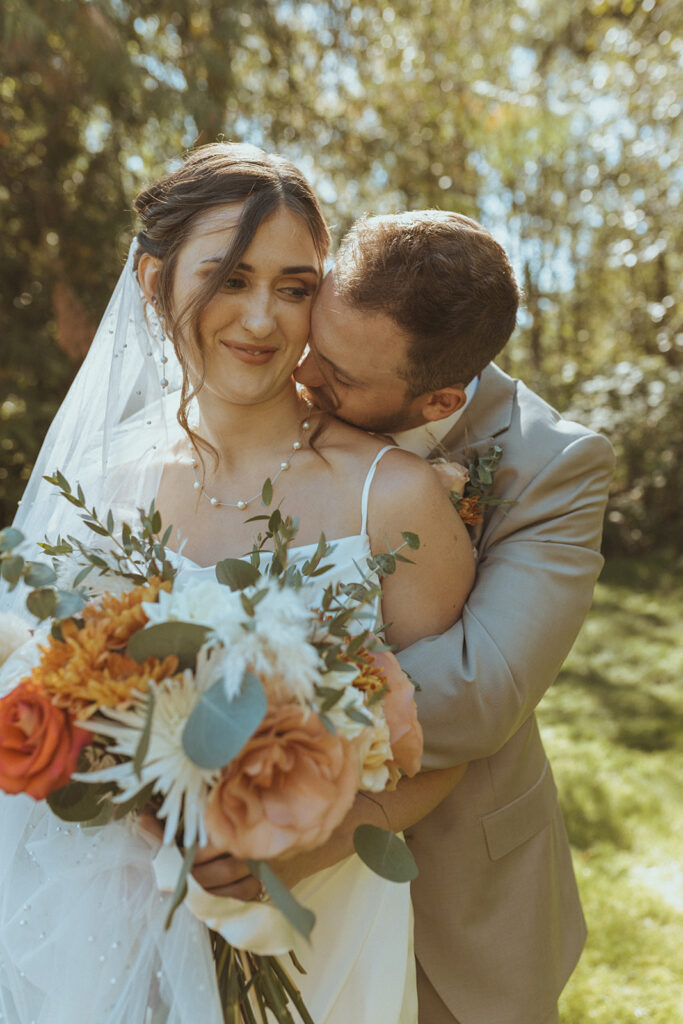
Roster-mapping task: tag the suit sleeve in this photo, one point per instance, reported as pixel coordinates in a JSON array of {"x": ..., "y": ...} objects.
[{"x": 483, "y": 678}]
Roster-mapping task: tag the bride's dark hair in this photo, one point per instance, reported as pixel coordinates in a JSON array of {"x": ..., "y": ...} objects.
[{"x": 211, "y": 176}]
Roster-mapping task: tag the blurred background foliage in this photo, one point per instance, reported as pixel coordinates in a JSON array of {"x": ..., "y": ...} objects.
[{"x": 556, "y": 125}]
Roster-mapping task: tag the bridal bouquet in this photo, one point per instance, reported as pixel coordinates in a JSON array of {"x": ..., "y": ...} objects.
[{"x": 246, "y": 710}]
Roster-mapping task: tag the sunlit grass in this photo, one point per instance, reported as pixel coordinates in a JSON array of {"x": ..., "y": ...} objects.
[{"x": 613, "y": 726}]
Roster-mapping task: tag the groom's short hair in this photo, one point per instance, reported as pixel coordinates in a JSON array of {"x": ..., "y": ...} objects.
[{"x": 443, "y": 279}]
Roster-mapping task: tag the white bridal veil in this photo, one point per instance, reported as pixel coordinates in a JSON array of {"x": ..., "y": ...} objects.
[
  {"x": 76, "y": 911},
  {"x": 111, "y": 429}
]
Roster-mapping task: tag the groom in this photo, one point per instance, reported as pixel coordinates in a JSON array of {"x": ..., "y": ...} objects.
[{"x": 403, "y": 334}]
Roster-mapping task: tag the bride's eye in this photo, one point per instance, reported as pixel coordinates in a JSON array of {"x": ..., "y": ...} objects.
[
  {"x": 297, "y": 291},
  {"x": 233, "y": 284}
]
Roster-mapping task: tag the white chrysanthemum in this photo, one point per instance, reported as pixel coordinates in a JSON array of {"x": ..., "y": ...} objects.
[
  {"x": 276, "y": 648},
  {"x": 14, "y": 633},
  {"x": 185, "y": 785},
  {"x": 207, "y": 602}
]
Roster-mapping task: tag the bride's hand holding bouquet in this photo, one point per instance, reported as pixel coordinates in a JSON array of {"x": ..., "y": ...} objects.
[{"x": 249, "y": 716}]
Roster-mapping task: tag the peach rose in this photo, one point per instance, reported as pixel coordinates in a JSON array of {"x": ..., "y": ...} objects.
[
  {"x": 452, "y": 476},
  {"x": 400, "y": 710},
  {"x": 286, "y": 791},
  {"x": 39, "y": 743}
]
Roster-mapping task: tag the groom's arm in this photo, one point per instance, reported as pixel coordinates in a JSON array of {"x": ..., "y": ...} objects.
[
  {"x": 482, "y": 678},
  {"x": 412, "y": 799}
]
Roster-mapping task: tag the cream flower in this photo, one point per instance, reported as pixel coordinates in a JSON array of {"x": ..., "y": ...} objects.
[
  {"x": 374, "y": 750},
  {"x": 207, "y": 602},
  {"x": 14, "y": 633},
  {"x": 184, "y": 785}
]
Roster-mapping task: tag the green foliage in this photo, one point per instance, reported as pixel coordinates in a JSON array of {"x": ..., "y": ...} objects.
[
  {"x": 384, "y": 853},
  {"x": 302, "y": 918},
  {"x": 556, "y": 125},
  {"x": 219, "y": 726},
  {"x": 613, "y": 727}
]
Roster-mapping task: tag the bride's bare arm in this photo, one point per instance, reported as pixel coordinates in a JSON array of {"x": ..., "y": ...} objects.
[
  {"x": 427, "y": 597},
  {"x": 419, "y": 600}
]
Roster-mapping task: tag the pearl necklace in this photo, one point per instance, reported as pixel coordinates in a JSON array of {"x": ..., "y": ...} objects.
[{"x": 244, "y": 502}]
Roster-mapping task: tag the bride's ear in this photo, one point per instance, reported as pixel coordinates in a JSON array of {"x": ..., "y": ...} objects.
[{"x": 149, "y": 268}]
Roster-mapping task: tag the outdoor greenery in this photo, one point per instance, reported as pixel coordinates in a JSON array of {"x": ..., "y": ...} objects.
[
  {"x": 613, "y": 727},
  {"x": 556, "y": 124}
]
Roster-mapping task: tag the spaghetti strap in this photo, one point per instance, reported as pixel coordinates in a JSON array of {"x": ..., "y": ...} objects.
[{"x": 366, "y": 486}]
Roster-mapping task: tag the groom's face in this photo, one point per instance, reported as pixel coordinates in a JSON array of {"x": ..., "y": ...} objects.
[{"x": 354, "y": 366}]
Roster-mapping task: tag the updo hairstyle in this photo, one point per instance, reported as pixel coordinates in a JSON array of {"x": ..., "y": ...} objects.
[{"x": 214, "y": 176}]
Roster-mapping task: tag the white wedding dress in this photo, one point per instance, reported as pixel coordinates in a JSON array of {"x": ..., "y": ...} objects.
[{"x": 82, "y": 937}]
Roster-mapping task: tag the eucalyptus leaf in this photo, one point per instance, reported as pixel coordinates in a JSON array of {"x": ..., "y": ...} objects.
[
  {"x": 384, "y": 853},
  {"x": 145, "y": 736},
  {"x": 357, "y": 716},
  {"x": 42, "y": 603},
  {"x": 219, "y": 727},
  {"x": 10, "y": 538},
  {"x": 135, "y": 803},
  {"x": 300, "y": 917},
  {"x": 267, "y": 492},
  {"x": 69, "y": 602},
  {"x": 79, "y": 801},
  {"x": 183, "y": 639},
  {"x": 411, "y": 539},
  {"x": 236, "y": 574},
  {"x": 38, "y": 574},
  {"x": 82, "y": 575},
  {"x": 12, "y": 568},
  {"x": 181, "y": 886}
]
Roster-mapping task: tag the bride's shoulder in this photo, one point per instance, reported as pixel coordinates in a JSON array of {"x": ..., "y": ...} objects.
[{"x": 342, "y": 442}]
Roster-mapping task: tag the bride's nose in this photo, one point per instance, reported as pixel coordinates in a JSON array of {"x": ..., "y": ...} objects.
[
  {"x": 308, "y": 372},
  {"x": 258, "y": 318}
]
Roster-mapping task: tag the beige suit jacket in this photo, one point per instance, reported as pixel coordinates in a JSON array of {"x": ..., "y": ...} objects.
[{"x": 499, "y": 926}]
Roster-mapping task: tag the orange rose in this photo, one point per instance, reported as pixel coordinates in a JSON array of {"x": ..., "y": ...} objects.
[
  {"x": 451, "y": 475},
  {"x": 400, "y": 710},
  {"x": 39, "y": 744},
  {"x": 286, "y": 791}
]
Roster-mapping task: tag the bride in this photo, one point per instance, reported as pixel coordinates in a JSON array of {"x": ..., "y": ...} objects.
[{"x": 187, "y": 397}]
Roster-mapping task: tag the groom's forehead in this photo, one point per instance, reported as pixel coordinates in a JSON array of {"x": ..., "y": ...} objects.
[{"x": 357, "y": 344}]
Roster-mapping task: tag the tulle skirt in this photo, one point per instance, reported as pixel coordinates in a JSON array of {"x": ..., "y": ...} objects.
[{"x": 82, "y": 936}]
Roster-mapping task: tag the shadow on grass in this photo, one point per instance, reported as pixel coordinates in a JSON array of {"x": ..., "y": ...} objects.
[
  {"x": 591, "y": 814},
  {"x": 641, "y": 720}
]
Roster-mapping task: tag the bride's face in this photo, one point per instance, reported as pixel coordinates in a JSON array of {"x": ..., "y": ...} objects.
[{"x": 254, "y": 329}]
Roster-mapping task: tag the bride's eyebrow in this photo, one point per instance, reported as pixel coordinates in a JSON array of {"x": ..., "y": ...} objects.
[{"x": 250, "y": 270}]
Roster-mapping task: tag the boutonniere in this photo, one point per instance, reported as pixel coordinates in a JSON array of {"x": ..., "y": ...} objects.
[{"x": 469, "y": 487}]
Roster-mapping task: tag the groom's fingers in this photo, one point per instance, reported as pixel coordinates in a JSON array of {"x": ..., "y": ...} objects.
[
  {"x": 221, "y": 872},
  {"x": 246, "y": 889}
]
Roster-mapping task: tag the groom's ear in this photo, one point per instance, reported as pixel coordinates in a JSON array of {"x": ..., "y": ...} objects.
[
  {"x": 149, "y": 268},
  {"x": 443, "y": 403}
]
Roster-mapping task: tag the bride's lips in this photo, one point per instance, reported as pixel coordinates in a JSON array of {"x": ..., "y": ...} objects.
[{"x": 255, "y": 355}]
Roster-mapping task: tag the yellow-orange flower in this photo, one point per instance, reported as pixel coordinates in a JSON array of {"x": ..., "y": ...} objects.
[
  {"x": 89, "y": 668},
  {"x": 469, "y": 511},
  {"x": 370, "y": 679}
]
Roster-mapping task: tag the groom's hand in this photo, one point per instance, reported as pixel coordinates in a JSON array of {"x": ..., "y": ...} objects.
[
  {"x": 216, "y": 870},
  {"x": 221, "y": 874}
]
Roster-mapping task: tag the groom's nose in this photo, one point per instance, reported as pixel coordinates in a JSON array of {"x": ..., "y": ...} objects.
[{"x": 309, "y": 373}]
